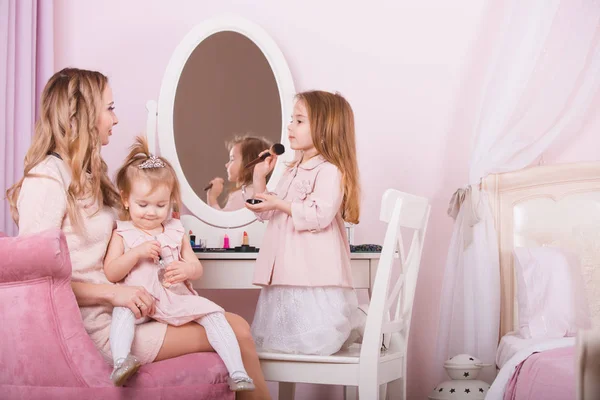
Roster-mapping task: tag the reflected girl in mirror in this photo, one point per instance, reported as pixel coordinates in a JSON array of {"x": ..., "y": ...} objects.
[{"x": 242, "y": 150}]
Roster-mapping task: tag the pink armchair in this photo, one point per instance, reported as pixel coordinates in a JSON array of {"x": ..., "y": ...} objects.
[{"x": 45, "y": 352}]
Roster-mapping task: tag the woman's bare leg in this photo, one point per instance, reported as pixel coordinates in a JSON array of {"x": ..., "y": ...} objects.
[
  {"x": 184, "y": 339},
  {"x": 191, "y": 338},
  {"x": 249, "y": 356}
]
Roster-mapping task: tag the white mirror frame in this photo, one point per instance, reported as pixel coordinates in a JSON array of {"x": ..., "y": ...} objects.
[{"x": 163, "y": 116}]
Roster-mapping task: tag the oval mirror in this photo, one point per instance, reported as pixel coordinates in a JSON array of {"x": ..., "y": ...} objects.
[{"x": 227, "y": 78}]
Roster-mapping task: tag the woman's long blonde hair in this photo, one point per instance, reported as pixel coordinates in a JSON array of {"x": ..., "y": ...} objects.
[
  {"x": 162, "y": 173},
  {"x": 332, "y": 129},
  {"x": 70, "y": 106}
]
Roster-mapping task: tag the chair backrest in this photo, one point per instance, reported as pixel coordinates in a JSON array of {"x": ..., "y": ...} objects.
[
  {"x": 391, "y": 303},
  {"x": 41, "y": 328}
]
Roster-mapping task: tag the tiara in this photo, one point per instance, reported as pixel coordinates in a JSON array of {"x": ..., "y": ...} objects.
[{"x": 152, "y": 162}]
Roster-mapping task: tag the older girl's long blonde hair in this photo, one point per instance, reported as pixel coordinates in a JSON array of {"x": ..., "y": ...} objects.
[
  {"x": 332, "y": 130},
  {"x": 69, "y": 111},
  {"x": 160, "y": 172}
]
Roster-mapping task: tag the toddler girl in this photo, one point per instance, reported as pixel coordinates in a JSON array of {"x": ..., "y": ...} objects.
[{"x": 150, "y": 249}]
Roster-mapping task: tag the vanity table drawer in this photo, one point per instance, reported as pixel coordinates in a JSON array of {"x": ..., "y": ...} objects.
[
  {"x": 226, "y": 274},
  {"x": 361, "y": 273},
  {"x": 238, "y": 273}
]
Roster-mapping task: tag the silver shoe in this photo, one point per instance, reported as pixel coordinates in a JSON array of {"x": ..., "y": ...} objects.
[
  {"x": 124, "y": 369},
  {"x": 241, "y": 384}
]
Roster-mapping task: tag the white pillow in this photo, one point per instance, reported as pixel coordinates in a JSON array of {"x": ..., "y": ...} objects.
[{"x": 550, "y": 293}]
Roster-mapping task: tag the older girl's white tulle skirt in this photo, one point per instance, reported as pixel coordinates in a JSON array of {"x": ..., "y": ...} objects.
[{"x": 304, "y": 320}]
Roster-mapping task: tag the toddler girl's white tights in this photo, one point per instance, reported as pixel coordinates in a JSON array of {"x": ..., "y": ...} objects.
[
  {"x": 122, "y": 330},
  {"x": 222, "y": 338}
]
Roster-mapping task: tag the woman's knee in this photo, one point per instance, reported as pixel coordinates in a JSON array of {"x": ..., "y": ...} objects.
[{"x": 240, "y": 327}]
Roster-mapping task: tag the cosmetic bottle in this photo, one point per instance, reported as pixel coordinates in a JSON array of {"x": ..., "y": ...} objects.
[{"x": 226, "y": 242}]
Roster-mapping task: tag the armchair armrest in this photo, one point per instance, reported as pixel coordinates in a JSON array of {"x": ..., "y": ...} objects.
[{"x": 39, "y": 255}]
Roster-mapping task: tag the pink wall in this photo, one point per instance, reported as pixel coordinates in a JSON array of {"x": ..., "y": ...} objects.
[{"x": 402, "y": 65}]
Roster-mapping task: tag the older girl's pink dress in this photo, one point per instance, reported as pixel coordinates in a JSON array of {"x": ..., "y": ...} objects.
[
  {"x": 179, "y": 303},
  {"x": 307, "y": 304}
]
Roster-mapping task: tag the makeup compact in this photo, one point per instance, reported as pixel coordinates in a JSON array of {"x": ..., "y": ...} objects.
[{"x": 251, "y": 200}]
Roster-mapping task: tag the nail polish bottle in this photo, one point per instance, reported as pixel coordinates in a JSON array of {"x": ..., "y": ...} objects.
[
  {"x": 192, "y": 239},
  {"x": 226, "y": 242},
  {"x": 161, "y": 270}
]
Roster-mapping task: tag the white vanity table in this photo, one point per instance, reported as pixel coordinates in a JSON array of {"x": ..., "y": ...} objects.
[{"x": 230, "y": 270}]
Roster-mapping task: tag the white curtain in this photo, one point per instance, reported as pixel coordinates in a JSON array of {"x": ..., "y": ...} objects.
[
  {"x": 26, "y": 63},
  {"x": 539, "y": 84}
]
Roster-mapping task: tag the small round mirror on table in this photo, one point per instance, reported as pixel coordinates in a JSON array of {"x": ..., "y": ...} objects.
[{"x": 226, "y": 78}]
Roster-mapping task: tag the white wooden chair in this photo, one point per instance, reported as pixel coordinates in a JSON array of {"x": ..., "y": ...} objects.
[{"x": 368, "y": 366}]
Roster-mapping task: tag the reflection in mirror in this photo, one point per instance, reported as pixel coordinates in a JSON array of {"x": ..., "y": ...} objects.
[
  {"x": 227, "y": 88},
  {"x": 242, "y": 150}
]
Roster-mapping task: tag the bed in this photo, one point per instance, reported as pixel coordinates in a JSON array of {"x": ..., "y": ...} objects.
[{"x": 556, "y": 206}]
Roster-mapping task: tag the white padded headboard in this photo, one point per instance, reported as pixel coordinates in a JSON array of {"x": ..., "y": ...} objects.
[{"x": 557, "y": 205}]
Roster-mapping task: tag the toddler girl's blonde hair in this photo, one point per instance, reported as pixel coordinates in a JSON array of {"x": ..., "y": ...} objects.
[{"x": 141, "y": 164}]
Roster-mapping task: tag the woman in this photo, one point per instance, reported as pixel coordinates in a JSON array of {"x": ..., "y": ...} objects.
[{"x": 66, "y": 186}]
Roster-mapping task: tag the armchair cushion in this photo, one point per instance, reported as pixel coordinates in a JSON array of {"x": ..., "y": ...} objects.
[{"x": 43, "y": 255}]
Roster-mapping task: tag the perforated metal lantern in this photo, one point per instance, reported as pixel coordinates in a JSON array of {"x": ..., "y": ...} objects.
[{"x": 462, "y": 369}]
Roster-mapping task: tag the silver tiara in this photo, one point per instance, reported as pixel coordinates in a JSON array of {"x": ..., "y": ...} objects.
[{"x": 152, "y": 162}]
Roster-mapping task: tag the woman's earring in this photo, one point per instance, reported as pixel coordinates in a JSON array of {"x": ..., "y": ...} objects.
[{"x": 126, "y": 208}]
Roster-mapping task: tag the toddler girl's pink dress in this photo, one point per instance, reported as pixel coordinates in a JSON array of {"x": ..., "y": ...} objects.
[{"x": 179, "y": 303}]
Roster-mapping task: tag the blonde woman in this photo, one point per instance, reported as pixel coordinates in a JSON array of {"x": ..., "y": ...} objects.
[{"x": 64, "y": 168}]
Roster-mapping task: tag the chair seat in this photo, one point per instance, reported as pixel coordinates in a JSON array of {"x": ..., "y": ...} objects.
[
  {"x": 351, "y": 355},
  {"x": 187, "y": 370},
  {"x": 342, "y": 368}
]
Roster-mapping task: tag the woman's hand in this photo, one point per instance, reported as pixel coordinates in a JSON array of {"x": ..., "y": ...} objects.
[
  {"x": 269, "y": 202},
  {"x": 262, "y": 169},
  {"x": 148, "y": 250},
  {"x": 217, "y": 188},
  {"x": 136, "y": 298},
  {"x": 179, "y": 271}
]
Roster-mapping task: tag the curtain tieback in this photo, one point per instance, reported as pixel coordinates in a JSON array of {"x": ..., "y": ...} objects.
[
  {"x": 463, "y": 198},
  {"x": 458, "y": 198}
]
